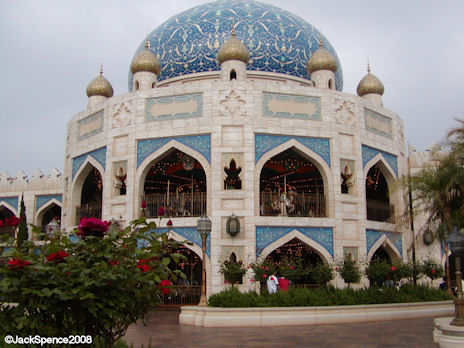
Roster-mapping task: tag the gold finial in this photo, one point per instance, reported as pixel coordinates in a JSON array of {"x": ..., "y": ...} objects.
[
  {"x": 233, "y": 27},
  {"x": 101, "y": 69},
  {"x": 320, "y": 40},
  {"x": 368, "y": 66}
]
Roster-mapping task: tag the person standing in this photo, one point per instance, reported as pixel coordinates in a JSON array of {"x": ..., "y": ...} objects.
[
  {"x": 272, "y": 283},
  {"x": 283, "y": 284}
]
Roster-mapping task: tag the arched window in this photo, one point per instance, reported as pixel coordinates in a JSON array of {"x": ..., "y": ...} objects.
[
  {"x": 377, "y": 196},
  {"x": 330, "y": 84},
  {"x": 233, "y": 75},
  {"x": 177, "y": 184},
  {"x": 137, "y": 86},
  {"x": 291, "y": 185},
  {"x": 91, "y": 197}
]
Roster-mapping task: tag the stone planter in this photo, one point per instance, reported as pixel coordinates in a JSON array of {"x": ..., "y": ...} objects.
[{"x": 286, "y": 316}]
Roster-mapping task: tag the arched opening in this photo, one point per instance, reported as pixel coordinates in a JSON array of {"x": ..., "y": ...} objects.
[
  {"x": 52, "y": 212},
  {"x": 6, "y": 213},
  {"x": 295, "y": 257},
  {"x": 381, "y": 255},
  {"x": 330, "y": 84},
  {"x": 137, "y": 85},
  {"x": 175, "y": 186},
  {"x": 377, "y": 196},
  {"x": 291, "y": 185},
  {"x": 232, "y": 181},
  {"x": 91, "y": 196},
  {"x": 233, "y": 75},
  {"x": 186, "y": 291}
]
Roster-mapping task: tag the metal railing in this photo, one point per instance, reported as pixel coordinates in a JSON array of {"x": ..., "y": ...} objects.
[
  {"x": 182, "y": 295},
  {"x": 181, "y": 204},
  {"x": 93, "y": 209},
  {"x": 380, "y": 211},
  {"x": 292, "y": 204}
]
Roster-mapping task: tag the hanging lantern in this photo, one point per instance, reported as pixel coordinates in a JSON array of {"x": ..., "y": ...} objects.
[{"x": 233, "y": 225}]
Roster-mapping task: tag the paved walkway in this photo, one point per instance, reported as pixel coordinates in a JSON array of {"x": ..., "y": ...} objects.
[{"x": 164, "y": 329}]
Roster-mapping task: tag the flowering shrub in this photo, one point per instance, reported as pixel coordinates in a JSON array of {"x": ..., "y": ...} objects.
[
  {"x": 96, "y": 286},
  {"x": 92, "y": 227},
  {"x": 432, "y": 269},
  {"x": 233, "y": 271},
  {"x": 292, "y": 269},
  {"x": 261, "y": 270}
]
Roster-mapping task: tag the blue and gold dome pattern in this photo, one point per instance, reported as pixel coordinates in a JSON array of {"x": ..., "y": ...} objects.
[{"x": 278, "y": 41}]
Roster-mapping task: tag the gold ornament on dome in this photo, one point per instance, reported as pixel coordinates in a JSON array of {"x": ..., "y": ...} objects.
[
  {"x": 100, "y": 86},
  {"x": 321, "y": 59},
  {"x": 370, "y": 84},
  {"x": 233, "y": 49},
  {"x": 146, "y": 61}
]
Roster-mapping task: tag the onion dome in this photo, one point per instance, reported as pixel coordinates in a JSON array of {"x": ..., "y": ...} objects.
[
  {"x": 233, "y": 49},
  {"x": 370, "y": 84},
  {"x": 100, "y": 86},
  {"x": 321, "y": 59},
  {"x": 146, "y": 61}
]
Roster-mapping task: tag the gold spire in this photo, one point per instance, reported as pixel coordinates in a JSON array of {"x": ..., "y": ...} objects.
[
  {"x": 370, "y": 84},
  {"x": 146, "y": 61},
  {"x": 321, "y": 59},
  {"x": 233, "y": 49},
  {"x": 100, "y": 86}
]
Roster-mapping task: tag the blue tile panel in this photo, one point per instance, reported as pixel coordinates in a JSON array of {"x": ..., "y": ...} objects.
[
  {"x": 99, "y": 155},
  {"x": 13, "y": 201},
  {"x": 372, "y": 236},
  {"x": 278, "y": 41},
  {"x": 41, "y": 200},
  {"x": 174, "y": 107},
  {"x": 266, "y": 142},
  {"x": 189, "y": 233},
  {"x": 281, "y": 105},
  {"x": 267, "y": 235},
  {"x": 90, "y": 126},
  {"x": 200, "y": 143},
  {"x": 378, "y": 124},
  {"x": 369, "y": 153}
]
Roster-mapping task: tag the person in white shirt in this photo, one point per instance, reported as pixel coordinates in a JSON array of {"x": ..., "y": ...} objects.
[{"x": 272, "y": 283}]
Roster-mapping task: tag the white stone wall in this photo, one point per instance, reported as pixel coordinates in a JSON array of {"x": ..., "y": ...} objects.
[{"x": 232, "y": 114}]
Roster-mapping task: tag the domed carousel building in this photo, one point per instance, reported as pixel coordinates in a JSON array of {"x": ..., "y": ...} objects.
[{"x": 236, "y": 110}]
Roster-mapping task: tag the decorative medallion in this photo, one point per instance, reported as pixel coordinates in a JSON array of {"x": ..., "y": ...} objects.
[
  {"x": 122, "y": 115},
  {"x": 345, "y": 112},
  {"x": 232, "y": 105}
]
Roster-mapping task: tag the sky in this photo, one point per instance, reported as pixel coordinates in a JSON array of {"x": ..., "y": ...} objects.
[{"x": 51, "y": 49}]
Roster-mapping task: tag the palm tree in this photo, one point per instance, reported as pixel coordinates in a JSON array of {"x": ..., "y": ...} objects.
[{"x": 439, "y": 190}]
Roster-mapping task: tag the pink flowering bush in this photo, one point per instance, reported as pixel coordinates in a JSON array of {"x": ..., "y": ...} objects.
[{"x": 97, "y": 285}]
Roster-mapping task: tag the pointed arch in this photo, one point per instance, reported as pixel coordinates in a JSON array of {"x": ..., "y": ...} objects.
[
  {"x": 8, "y": 206},
  {"x": 394, "y": 196},
  {"x": 390, "y": 248},
  {"x": 321, "y": 250},
  {"x": 157, "y": 156},
  {"x": 319, "y": 162},
  {"x": 78, "y": 184},
  {"x": 39, "y": 214}
]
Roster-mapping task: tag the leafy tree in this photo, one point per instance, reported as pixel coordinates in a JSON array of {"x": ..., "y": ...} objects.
[
  {"x": 322, "y": 273},
  {"x": 432, "y": 269},
  {"x": 349, "y": 270},
  {"x": 262, "y": 269}
]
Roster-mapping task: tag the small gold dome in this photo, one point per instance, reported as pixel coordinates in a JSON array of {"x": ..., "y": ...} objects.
[
  {"x": 233, "y": 49},
  {"x": 146, "y": 61},
  {"x": 321, "y": 59},
  {"x": 99, "y": 86},
  {"x": 370, "y": 84}
]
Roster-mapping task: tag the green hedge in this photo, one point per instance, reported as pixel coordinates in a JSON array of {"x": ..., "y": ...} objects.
[{"x": 327, "y": 296}]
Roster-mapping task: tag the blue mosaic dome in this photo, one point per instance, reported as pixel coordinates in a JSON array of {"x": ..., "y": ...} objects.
[{"x": 278, "y": 41}]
